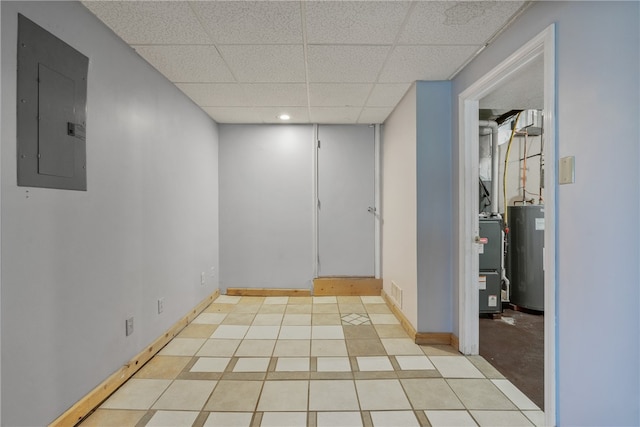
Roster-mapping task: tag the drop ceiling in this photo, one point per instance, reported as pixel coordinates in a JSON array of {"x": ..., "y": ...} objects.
[{"x": 318, "y": 61}]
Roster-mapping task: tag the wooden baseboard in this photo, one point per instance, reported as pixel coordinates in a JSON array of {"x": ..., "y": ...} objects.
[
  {"x": 433, "y": 338},
  {"x": 421, "y": 338},
  {"x": 408, "y": 327},
  {"x": 347, "y": 286},
  {"x": 455, "y": 342},
  {"x": 88, "y": 403},
  {"x": 264, "y": 292}
]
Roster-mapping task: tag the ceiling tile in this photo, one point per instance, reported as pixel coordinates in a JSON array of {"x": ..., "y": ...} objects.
[
  {"x": 387, "y": 95},
  {"x": 251, "y": 22},
  {"x": 411, "y": 63},
  {"x": 233, "y": 114},
  {"x": 277, "y": 94},
  {"x": 345, "y": 64},
  {"x": 193, "y": 63},
  {"x": 354, "y": 22},
  {"x": 267, "y": 63},
  {"x": 446, "y": 22},
  {"x": 215, "y": 94},
  {"x": 270, "y": 114},
  {"x": 374, "y": 114},
  {"x": 337, "y": 115},
  {"x": 140, "y": 22},
  {"x": 338, "y": 94}
]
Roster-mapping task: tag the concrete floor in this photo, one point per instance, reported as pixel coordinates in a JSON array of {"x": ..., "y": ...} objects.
[{"x": 516, "y": 350}]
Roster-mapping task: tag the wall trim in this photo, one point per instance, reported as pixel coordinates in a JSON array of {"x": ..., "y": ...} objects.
[
  {"x": 433, "y": 338},
  {"x": 543, "y": 45},
  {"x": 95, "y": 397},
  {"x": 268, "y": 292},
  {"x": 421, "y": 338},
  {"x": 361, "y": 286},
  {"x": 408, "y": 327}
]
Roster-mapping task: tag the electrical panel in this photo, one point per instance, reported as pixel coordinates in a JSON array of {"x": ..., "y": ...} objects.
[{"x": 51, "y": 108}]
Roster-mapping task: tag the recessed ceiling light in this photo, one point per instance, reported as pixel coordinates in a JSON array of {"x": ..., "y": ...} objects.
[{"x": 284, "y": 117}]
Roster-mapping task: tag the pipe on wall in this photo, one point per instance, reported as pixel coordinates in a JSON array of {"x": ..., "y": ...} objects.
[{"x": 488, "y": 124}]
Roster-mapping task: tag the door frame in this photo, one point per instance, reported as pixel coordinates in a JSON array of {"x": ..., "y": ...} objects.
[{"x": 468, "y": 265}]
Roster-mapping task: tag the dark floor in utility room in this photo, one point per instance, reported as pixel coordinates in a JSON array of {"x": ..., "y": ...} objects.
[{"x": 514, "y": 345}]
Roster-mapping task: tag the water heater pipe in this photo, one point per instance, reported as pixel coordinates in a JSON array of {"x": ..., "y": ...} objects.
[{"x": 494, "y": 162}]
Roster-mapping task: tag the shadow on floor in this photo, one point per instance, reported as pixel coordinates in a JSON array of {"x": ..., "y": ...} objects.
[{"x": 516, "y": 350}]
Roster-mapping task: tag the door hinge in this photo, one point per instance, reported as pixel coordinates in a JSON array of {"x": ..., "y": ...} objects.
[
  {"x": 318, "y": 143},
  {"x": 319, "y": 203}
]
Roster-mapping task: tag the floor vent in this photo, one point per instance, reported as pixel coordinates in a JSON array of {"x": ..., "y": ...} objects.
[{"x": 396, "y": 294}]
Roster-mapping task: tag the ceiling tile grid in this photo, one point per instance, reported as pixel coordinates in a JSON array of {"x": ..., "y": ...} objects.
[
  {"x": 216, "y": 94},
  {"x": 345, "y": 64},
  {"x": 354, "y": 22},
  {"x": 140, "y": 22},
  {"x": 338, "y": 94},
  {"x": 187, "y": 64},
  {"x": 322, "y": 61},
  {"x": 251, "y": 22},
  {"x": 265, "y": 63}
]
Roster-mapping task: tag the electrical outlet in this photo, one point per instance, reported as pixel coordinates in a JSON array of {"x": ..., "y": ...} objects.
[
  {"x": 129, "y": 325},
  {"x": 202, "y": 278},
  {"x": 160, "y": 305}
]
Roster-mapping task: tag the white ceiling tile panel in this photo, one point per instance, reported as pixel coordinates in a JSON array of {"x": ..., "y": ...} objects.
[
  {"x": 270, "y": 114},
  {"x": 447, "y": 22},
  {"x": 411, "y": 63},
  {"x": 387, "y": 95},
  {"x": 215, "y": 94},
  {"x": 354, "y": 22},
  {"x": 345, "y": 64},
  {"x": 374, "y": 114},
  {"x": 337, "y": 115},
  {"x": 338, "y": 94},
  {"x": 277, "y": 94},
  {"x": 192, "y": 63},
  {"x": 245, "y": 62},
  {"x": 251, "y": 22},
  {"x": 266, "y": 63},
  {"x": 141, "y": 22},
  {"x": 233, "y": 114}
]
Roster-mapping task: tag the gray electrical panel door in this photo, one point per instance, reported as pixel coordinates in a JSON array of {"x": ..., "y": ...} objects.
[
  {"x": 52, "y": 92},
  {"x": 526, "y": 245}
]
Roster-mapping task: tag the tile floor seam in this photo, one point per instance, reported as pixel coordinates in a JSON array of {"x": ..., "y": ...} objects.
[{"x": 288, "y": 362}]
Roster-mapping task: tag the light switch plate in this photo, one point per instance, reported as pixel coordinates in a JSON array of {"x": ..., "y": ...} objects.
[{"x": 567, "y": 170}]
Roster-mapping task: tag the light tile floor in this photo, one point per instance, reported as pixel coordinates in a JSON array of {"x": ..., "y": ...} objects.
[{"x": 311, "y": 361}]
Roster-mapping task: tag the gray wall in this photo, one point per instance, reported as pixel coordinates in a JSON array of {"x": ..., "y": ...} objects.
[
  {"x": 266, "y": 206},
  {"x": 76, "y": 264},
  {"x": 598, "y": 105},
  {"x": 434, "y": 206}
]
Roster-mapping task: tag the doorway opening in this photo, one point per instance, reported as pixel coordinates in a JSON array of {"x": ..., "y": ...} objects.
[{"x": 542, "y": 47}]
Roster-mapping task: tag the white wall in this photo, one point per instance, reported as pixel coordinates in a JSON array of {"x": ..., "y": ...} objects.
[
  {"x": 266, "y": 206},
  {"x": 598, "y": 105},
  {"x": 75, "y": 264},
  {"x": 399, "y": 203}
]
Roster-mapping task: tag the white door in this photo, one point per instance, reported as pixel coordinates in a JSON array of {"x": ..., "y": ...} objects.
[{"x": 346, "y": 192}]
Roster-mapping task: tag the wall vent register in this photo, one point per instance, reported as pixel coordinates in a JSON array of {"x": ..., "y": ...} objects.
[{"x": 52, "y": 93}]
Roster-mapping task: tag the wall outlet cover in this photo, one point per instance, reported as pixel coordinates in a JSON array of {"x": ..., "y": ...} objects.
[
  {"x": 567, "y": 170},
  {"x": 129, "y": 326}
]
